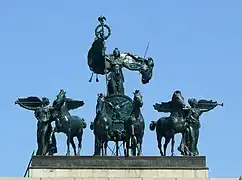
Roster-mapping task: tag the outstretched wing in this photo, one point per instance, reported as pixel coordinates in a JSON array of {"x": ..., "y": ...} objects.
[
  {"x": 163, "y": 107},
  {"x": 73, "y": 104},
  {"x": 205, "y": 104},
  {"x": 29, "y": 102}
]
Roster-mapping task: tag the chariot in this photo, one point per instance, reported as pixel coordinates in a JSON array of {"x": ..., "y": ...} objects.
[
  {"x": 113, "y": 112},
  {"x": 117, "y": 110}
]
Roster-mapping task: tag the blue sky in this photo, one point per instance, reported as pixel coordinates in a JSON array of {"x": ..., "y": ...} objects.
[{"x": 196, "y": 46}]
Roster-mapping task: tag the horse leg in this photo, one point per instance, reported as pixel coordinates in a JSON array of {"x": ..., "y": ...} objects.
[
  {"x": 127, "y": 145},
  {"x": 124, "y": 148},
  {"x": 97, "y": 146},
  {"x": 105, "y": 148},
  {"x": 172, "y": 145},
  {"x": 117, "y": 148},
  {"x": 158, "y": 136},
  {"x": 133, "y": 145},
  {"x": 102, "y": 147},
  {"x": 141, "y": 151},
  {"x": 139, "y": 148},
  {"x": 68, "y": 142},
  {"x": 167, "y": 140},
  {"x": 79, "y": 138},
  {"x": 73, "y": 145}
]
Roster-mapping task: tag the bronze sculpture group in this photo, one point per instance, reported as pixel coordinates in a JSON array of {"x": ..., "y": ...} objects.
[{"x": 118, "y": 117}]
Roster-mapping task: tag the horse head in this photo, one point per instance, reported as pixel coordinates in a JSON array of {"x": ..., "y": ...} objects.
[
  {"x": 147, "y": 70},
  {"x": 138, "y": 99},
  {"x": 100, "y": 103},
  {"x": 60, "y": 99},
  {"x": 178, "y": 99}
]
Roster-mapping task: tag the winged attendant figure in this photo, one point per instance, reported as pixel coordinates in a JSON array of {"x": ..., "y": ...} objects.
[
  {"x": 42, "y": 112},
  {"x": 188, "y": 145},
  {"x": 182, "y": 119}
]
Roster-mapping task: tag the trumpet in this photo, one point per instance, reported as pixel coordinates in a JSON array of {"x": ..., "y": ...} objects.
[
  {"x": 220, "y": 104},
  {"x": 214, "y": 103}
]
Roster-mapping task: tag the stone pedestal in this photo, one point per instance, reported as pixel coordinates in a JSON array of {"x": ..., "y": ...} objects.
[{"x": 119, "y": 168}]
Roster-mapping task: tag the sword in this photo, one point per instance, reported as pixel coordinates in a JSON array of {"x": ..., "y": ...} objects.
[{"x": 147, "y": 47}]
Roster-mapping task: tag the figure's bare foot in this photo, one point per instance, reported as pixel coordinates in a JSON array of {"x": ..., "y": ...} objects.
[{"x": 78, "y": 152}]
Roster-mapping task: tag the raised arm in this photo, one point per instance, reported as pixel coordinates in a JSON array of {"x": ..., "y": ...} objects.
[
  {"x": 132, "y": 62},
  {"x": 209, "y": 109}
]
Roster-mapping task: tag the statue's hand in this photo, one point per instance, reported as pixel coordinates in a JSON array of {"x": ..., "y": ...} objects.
[
  {"x": 131, "y": 55},
  {"x": 186, "y": 108}
]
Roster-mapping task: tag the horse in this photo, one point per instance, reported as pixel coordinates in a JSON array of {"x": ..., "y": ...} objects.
[
  {"x": 101, "y": 139},
  {"x": 103, "y": 124},
  {"x": 135, "y": 126},
  {"x": 163, "y": 127},
  {"x": 71, "y": 126},
  {"x": 169, "y": 126},
  {"x": 100, "y": 128}
]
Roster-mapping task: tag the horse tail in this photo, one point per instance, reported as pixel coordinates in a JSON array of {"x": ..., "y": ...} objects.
[
  {"x": 92, "y": 126},
  {"x": 84, "y": 124},
  {"x": 153, "y": 125}
]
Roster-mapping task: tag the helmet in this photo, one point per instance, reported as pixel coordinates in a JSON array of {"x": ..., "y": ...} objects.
[
  {"x": 116, "y": 52},
  {"x": 192, "y": 102},
  {"x": 45, "y": 101}
]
